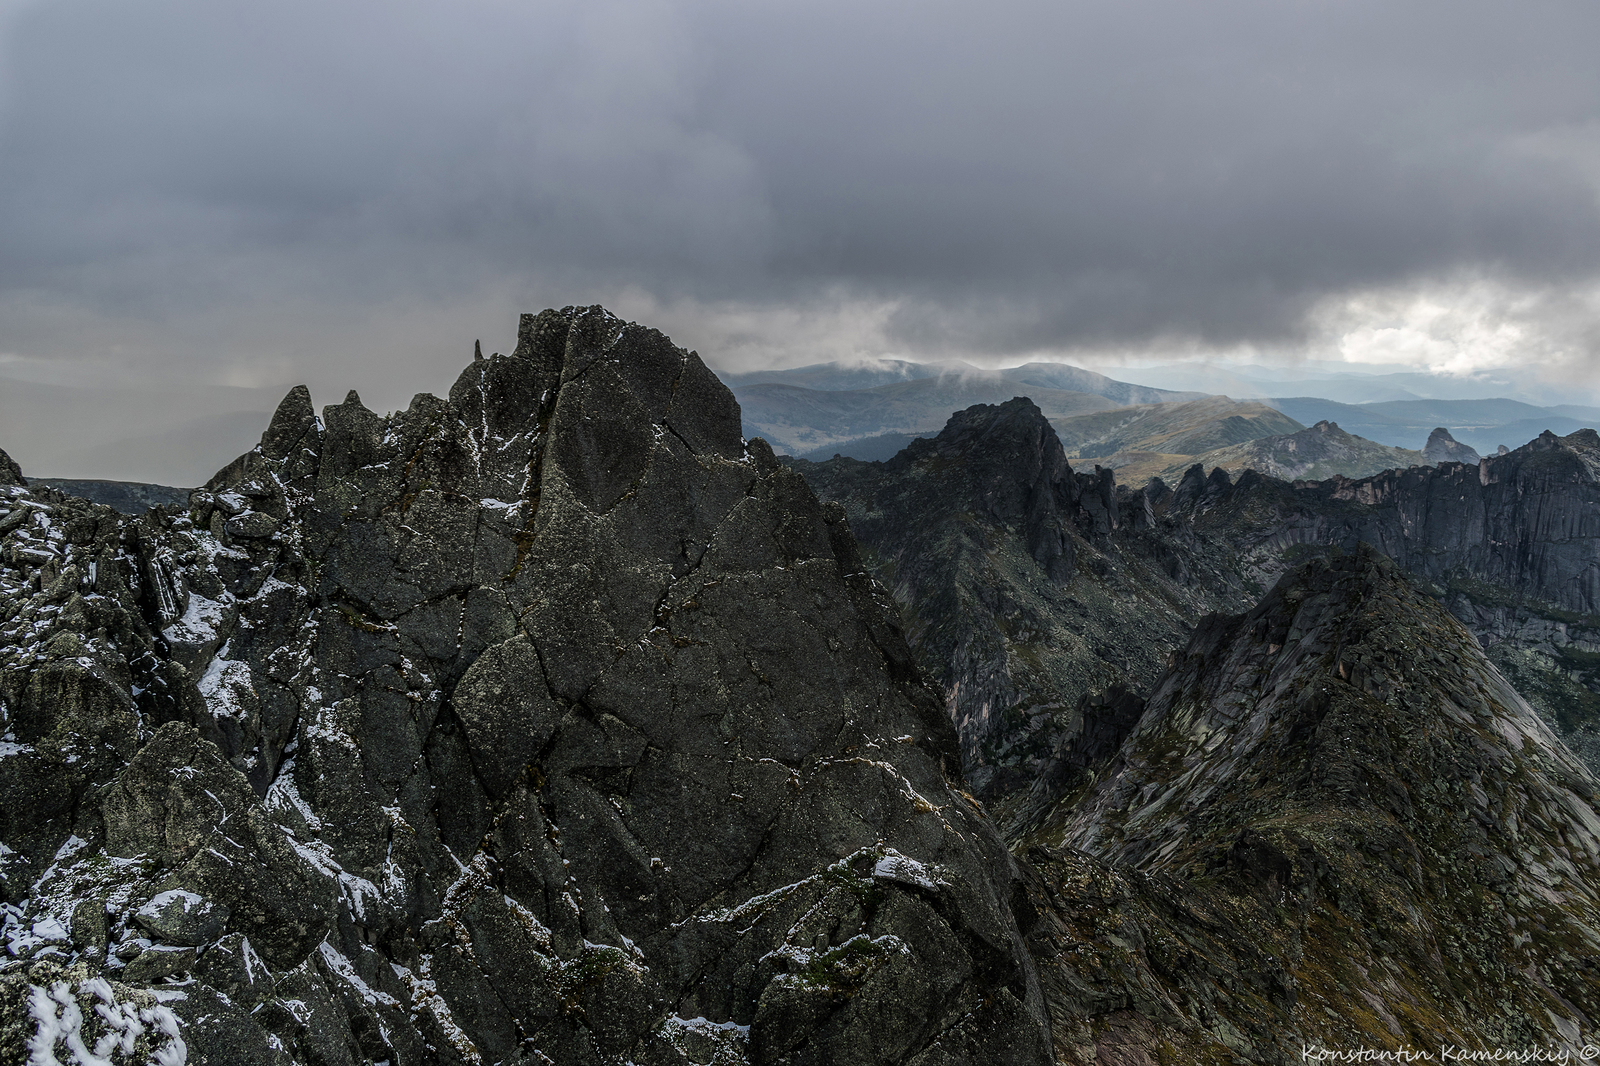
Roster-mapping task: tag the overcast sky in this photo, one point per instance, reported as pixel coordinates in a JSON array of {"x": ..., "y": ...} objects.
[{"x": 347, "y": 194}]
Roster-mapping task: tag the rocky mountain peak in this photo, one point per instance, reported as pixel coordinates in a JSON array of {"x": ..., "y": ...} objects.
[
  {"x": 1583, "y": 445},
  {"x": 1345, "y": 755},
  {"x": 1199, "y": 490},
  {"x": 1014, "y": 565},
  {"x": 1314, "y": 453},
  {"x": 1017, "y": 473},
  {"x": 1443, "y": 448},
  {"x": 548, "y": 721}
]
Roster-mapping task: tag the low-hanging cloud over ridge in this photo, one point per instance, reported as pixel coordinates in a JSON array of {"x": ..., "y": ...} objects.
[{"x": 263, "y": 193}]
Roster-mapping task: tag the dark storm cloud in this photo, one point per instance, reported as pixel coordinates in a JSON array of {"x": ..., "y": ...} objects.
[
  {"x": 1003, "y": 176},
  {"x": 1123, "y": 170}
]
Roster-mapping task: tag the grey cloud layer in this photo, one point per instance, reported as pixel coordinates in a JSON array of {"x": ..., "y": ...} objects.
[{"x": 1018, "y": 175}]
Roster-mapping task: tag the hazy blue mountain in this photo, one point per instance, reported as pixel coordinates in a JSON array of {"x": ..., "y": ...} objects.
[
  {"x": 867, "y": 449},
  {"x": 103, "y": 432},
  {"x": 1515, "y": 434},
  {"x": 838, "y": 377},
  {"x": 1336, "y": 381},
  {"x": 842, "y": 377},
  {"x": 796, "y": 420},
  {"x": 834, "y": 407},
  {"x": 1076, "y": 379},
  {"x": 1482, "y": 424}
]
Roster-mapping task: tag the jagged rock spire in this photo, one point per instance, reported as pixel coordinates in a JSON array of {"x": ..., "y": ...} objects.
[{"x": 10, "y": 472}]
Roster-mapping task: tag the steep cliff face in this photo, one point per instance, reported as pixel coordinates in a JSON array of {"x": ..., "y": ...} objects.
[
  {"x": 1525, "y": 521},
  {"x": 1334, "y": 825},
  {"x": 549, "y": 722},
  {"x": 1029, "y": 588},
  {"x": 1511, "y": 544}
]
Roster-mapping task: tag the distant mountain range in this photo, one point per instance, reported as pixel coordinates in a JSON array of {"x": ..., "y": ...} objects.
[
  {"x": 125, "y": 497},
  {"x": 106, "y": 432},
  {"x": 1337, "y": 381},
  {"x": 1320, "y": 451},
  {"x": 871, "y": 411},
  {"x": 832, "y": 407},
  {"x": 1483, "y": 424},
  {"x": 840, "y": 377}
]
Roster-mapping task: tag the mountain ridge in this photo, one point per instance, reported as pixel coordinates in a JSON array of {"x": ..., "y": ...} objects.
[
  {"x": 553, "y": 720},
  {"x": 1311, "y": 454},
  {"x": 810, "y": 409},
  {"x": 1341, "y": 768}
]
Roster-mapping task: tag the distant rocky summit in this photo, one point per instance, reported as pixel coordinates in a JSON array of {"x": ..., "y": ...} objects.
[
  {"x": 547, "y": 722},
  {"x": 1028, "y": 587},
  {"x": 1312, "y": 454},
  {"x": 1443, "y": 448}
]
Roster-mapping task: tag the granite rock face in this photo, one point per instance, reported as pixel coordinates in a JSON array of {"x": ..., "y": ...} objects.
[
  {"x": 546, "y": 722},
  {"x": 1334, "y": 825}
]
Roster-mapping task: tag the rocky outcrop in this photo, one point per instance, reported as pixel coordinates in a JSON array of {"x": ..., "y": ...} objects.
[
  {"x": 1510, "y": 545},
  {"x": 1029, "y": 588},
  {"x": 546, "y": 722},
  {"x": 1335, "y": 825},
  {"x": 10, "y": 472},
  {"x": 1320, "y": 451},
  {"x": 1443, "y": 448}
]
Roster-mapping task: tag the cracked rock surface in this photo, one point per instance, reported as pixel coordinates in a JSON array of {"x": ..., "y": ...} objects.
[{"x": 547, "y": 722}]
